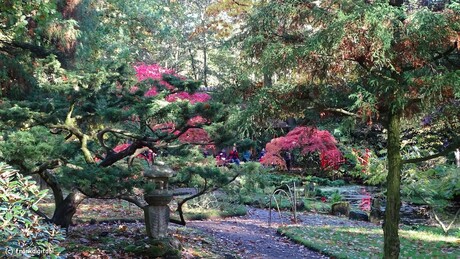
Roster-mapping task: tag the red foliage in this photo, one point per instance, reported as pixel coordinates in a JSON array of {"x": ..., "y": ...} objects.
[
  {"x": 308, "y": 140},
  {"x": 362, "y": 157},
  {"x": 148, "y": 156},
  {"x": 154, "y": 72},
  {"x": 192, "y": 135},
  {"x": 193, "y": 98},
  {"x": 365, "y": 203},
  {"x": 195, "y": 135},
  {"x": 197, "y": 120}
]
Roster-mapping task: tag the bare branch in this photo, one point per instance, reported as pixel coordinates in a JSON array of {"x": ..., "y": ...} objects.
[
  {"x": 445, "y": 152},
  {"x": 100, "y": 136},
  {"x": 41, "y": 214},
  {"x": 112, "y": 157},
  {"x": 342, "y": 111},
  {"x": 14, "y": 47},
  {"x": 82, "y": 137},
  {"x": 45, "y": 166},
  {"x": 238, "y": 3},
  {"x": 53, "y": 183},
  {"x": 133, "y": 200},
  {"x": 203, "y": 191}
]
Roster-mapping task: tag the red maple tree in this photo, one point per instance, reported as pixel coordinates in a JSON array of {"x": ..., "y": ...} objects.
[
  {"x": 308, "y": 140},
  {"x": 192, "y": 135}
]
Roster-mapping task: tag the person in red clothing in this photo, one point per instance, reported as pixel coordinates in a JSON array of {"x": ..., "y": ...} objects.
[
  {"x": 234, "y": 156},
  {"x": 221, "y": 158}
]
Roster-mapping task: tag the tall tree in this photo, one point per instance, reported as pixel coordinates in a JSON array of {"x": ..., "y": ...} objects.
[{"x": 69, "y": 97}]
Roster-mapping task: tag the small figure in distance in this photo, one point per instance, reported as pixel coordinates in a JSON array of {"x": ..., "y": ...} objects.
[
  {"x": 234, "y": 157},
  {"x": 247, "y": 156},
  {"x": 262, "y": 153},
  {"x": 288, "y": 159},
  {"x": 221, "y": 158}
]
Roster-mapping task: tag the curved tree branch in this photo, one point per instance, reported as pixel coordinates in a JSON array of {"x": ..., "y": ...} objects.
[
  {"x": 203, "y": 191},
  {"x": 445, "y": 152},
  {"x": 342, "y": 111},
  {"x": 14, "y": 47},
  {"x": 50, "y": 179},
  {"x": 118, "y": 132},
  {"x": 112, "y": 157}
]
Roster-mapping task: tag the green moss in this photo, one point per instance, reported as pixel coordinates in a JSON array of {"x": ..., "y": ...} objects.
[
  {"x": 230, "y": 211},
  {"x": 153, "y": 248}
]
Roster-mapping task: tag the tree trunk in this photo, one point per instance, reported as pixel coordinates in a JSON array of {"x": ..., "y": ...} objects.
[
  {"x": 52, "y": 182},
  {"x": 268, "y": 79},
  {"x": 205, "y": 49},
  {"x": 66, "y": 209},
  {"x": 205, "y": 63},
  {"x": 391, "y": 222},
  {"x": 192, "y": 61},
  {"x": 457, "y": 157},
  {"x": 396, "y": 2}
]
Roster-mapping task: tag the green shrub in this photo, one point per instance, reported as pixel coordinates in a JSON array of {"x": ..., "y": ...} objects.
[
  {"x": 336, "y": 197},
  {"x": 337, "y": 183},
  {"x": 316, "y": 206},
  {"x": 318, "y": 192},
  {"x": 318, "y": 180},
  {"x": 23, "y": 233},
  {"x": 324, "y": 181}
]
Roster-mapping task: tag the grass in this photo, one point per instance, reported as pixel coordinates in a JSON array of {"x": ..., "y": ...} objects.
[
  {"x": 358, "y": 242},
  {"x": 201, "y": 214},
  {"x": 263, "y": 201},
  {"x": 114, "y": 210}
]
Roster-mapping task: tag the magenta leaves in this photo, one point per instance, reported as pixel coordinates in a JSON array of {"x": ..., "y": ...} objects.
[
  {"x": 194, "y": 134},
  {"x": 308, "y": 140}
]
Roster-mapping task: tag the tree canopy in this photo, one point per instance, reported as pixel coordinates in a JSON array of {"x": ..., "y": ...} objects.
[{"x": 93, "y": 92}]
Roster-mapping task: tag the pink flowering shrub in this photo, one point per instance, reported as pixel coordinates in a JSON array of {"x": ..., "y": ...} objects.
[{"x": 308, "y": 140}]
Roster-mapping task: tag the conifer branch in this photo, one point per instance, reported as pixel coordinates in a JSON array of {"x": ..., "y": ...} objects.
[{"x": 445, "y": 152}]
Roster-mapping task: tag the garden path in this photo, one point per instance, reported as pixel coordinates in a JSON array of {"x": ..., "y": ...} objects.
[{"x": 251, "y": 237}]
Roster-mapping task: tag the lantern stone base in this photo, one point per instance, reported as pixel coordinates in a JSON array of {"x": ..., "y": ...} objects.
[{"x": 156, "y": 221}]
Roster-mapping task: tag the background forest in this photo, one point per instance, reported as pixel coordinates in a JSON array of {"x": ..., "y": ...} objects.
[{"x": 95, "y": 94}]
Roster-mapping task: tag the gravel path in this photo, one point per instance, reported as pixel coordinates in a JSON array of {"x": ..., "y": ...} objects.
[{"x": 251, "y": 237}]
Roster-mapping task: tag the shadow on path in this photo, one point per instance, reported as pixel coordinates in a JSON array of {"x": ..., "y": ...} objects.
[{"x": 251, "y": 237}]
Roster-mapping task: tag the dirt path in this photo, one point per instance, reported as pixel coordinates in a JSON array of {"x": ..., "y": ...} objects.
[{"x": 251, "y": 237}]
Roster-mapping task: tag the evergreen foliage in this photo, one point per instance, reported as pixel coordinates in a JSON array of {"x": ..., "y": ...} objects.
[{"x": 23, "y": 233}]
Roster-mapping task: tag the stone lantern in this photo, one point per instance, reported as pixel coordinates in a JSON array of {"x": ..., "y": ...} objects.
[{"x": 156, "y": 213}]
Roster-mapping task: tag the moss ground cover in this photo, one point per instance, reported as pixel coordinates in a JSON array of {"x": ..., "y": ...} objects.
[{"x": 358, "y": 242}]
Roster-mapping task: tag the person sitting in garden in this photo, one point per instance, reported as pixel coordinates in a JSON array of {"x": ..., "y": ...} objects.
[
  {"x": 234, "y": 156},
  {"x": 247, "y": 156},
  {"x": 262, "y": 153},
  {"x": 221, "y": 159}
]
